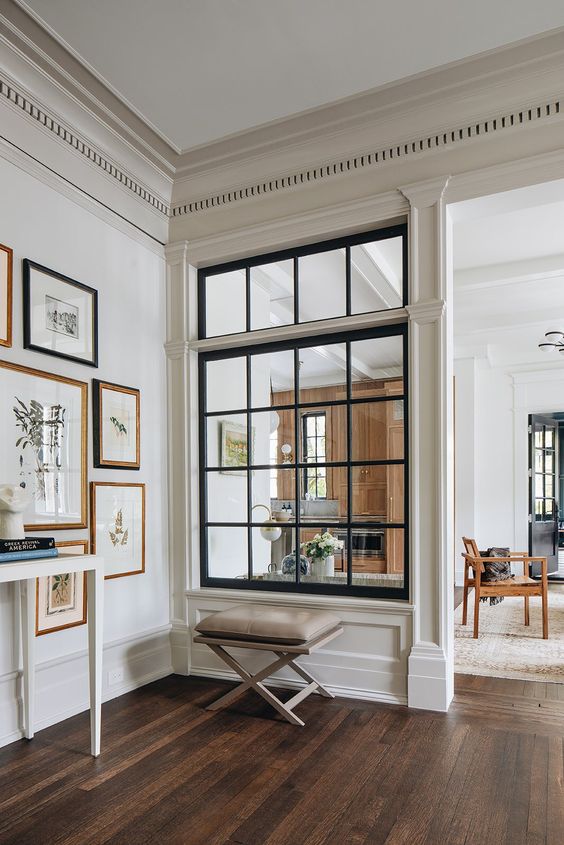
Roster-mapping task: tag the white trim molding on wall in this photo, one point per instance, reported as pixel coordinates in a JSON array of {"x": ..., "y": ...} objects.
[{"x": 62, "y": 683}]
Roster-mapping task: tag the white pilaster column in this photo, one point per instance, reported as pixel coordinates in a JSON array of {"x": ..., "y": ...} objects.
[
  {"x": 182, "y": 380},
  {"x": 430, "y": 673}
]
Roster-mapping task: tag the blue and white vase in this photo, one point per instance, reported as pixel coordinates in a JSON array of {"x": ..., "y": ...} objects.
[{"x": 289, "y": 564}]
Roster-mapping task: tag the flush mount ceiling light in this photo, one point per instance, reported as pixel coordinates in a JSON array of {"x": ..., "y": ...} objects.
[{"x": 553, "y": 342}]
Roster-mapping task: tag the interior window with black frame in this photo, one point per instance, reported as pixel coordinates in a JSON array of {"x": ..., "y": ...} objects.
[
  {"x": 304, "y": 464},
  {"x": 340, "y": 278}
]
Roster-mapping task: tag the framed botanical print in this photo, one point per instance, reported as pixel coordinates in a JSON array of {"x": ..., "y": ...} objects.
[
  {"x": 43, "y": 425},
  {"x": 116, "y": 419},
  {"x": 117, "y": 526},
  {"x": 60, "y": 315},
  {"x": 6, "y": 260},
  {"x": 61, "y": 599}
]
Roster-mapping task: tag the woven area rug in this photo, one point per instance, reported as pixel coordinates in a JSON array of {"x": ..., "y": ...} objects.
[{"x": 505, "y": 648}]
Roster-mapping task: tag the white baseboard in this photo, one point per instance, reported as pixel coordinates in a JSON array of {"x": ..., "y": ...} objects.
[
  {"x": 283, "y": 683},
  {"x": 143, "y": 657}
]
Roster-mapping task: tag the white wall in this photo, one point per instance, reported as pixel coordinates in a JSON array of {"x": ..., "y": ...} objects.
[
  {"x": 491, "y": 435},
  {"x": 41, "y": 224}
]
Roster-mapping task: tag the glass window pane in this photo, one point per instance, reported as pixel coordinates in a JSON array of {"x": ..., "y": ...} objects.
[
  {"x": 324, "y": 564},
  {"x": 549, "y": 485},
  {"x": 276, "y": 489},
  {"x": 538, "y": 439},
  {"x": 378, "y": 493},
  {"x": 322, "y": 285},
  {"x": 226, "y": 297},
  {"x": 378, "y": 557},
  {"x": 274, "y": 553},
  {"x": 539, "y": 460},
  {"x": 377, "y": 275},
  {"x": 323, "y": 373},
  {"x": 272, "y": 379},
  {"x": 376, "y": 433},
  {"x": 272, "y": 294},
  {"x": 226, "y": 497},
  {"x": 549, "y": 462},
  {"x": 549, "y": 438},
  {"x": 274, "y": 438},
  {"x": 539, "y": 489},
  {"x": 377, "y": 367},
  {"x": 549, "y": 508},
  {"x": 226, "y": 442},
  {"x": 227, "y": 552},
  {"x": 226, "y": 384}
]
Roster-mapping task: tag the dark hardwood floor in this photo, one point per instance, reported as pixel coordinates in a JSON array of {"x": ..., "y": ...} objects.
[{"x": 489, "y": 771}]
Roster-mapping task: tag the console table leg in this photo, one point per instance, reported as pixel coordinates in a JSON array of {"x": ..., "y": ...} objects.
[
  {"x": 95, "y": 649},
  {"x": 27, "y": 593}
]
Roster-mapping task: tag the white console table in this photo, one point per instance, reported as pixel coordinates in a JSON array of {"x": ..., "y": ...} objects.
[{"x": 26, "y": 571}]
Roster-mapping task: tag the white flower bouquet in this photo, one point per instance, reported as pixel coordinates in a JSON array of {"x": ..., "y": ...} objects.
[{"x": 322, "y": 546}]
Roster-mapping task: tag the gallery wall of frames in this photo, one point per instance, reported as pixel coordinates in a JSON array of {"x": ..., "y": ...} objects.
[{"x": 71, "y": 430}]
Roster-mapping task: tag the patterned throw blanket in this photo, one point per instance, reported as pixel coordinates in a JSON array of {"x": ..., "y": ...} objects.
[{"x": 495, "y": 570}]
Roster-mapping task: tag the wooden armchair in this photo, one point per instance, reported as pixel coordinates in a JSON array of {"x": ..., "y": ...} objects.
[{"x": 520, "y": 585}]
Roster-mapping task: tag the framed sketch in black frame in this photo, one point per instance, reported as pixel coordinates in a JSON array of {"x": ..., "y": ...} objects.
[
  {"x": 117, "y": 430},
  {"x": 60, "y": 315}
]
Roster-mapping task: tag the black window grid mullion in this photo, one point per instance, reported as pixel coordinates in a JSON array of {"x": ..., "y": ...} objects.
[
  {"x": 385, "y": 462},
  {"x": 330, "y": 403},
  {"x": 296, "y": 291},
  {"x": 248, "y": 325},
  {"x": 250, "y": 457},
  {"x": 348, "y": 275},
  {"x": 349, "y": 467},
  {"x": 297, "y": 494}
]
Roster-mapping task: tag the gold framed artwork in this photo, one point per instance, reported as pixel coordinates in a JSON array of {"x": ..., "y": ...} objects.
[
  {"x": 116, "y": 420},
  {"x": 61, "y": 599},
  {"x": 6, "y": 265},
  {"x": 235, "y": 447},
  {"x": 43, "y": 420},
  {"x": 117, "y": 526}
]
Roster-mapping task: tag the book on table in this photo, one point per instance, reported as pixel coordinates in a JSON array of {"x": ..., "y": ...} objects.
[
  {"x": 26, "y": 544},
  {"x": 10, "y": 557}
]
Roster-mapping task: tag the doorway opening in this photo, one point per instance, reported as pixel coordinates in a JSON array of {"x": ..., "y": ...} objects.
[{"x": 508, "y": 256}]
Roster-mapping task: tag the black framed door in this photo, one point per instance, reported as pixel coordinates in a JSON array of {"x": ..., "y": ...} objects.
[{"x": 543, "y": 491}]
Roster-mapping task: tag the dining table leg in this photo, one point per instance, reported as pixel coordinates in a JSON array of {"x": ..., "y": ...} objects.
[
  {"x": 95, "y": 651},
  {"x": 28, "y": 598}
]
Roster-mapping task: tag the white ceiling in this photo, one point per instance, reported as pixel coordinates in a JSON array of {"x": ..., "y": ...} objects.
[
  {"x": 200, "y": 70},
  {"x": 509, "y": 274}
]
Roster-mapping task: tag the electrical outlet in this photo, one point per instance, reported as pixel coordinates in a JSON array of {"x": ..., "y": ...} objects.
[{"x": 115, "y": 676}]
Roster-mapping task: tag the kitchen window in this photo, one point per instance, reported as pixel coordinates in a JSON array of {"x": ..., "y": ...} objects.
[{"x": 313, "y": 439}]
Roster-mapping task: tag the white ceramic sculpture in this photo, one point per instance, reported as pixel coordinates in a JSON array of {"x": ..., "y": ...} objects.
[{"x": 13, "y": 502}]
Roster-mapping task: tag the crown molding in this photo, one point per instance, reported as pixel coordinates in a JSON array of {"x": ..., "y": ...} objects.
[
  {"x": 449, "y": 82},
  {"x": 22, "y": 101},
  {"x": 65, "y": 188},
  {"x": 46, "y": 50},
  {"x": 439, "y": 140}
]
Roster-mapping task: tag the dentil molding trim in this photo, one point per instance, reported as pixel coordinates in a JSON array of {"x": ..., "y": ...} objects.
[
  {"x": 525, "y": 116},
  {"x": 21, "y": 100}
]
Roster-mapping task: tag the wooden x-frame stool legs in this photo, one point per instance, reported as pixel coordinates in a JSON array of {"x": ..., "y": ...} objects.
[
  {"x": 286, "y": 655},
  {"x": 255, "y": 682}
]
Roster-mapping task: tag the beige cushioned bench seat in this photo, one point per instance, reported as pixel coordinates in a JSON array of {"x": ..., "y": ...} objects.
[
  {"x": 261, "y": 623},
  {"x": 287, "y": 632}
]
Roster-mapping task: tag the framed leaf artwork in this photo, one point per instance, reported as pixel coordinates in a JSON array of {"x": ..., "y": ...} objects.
[
  {"x": 61, "y": 599},
  {"x": 43, "y": 421},
  {"x": 60, "y": 315},
  {"x": 116, "y": 420},
  {"x": 117, "y": 526},
  {"x": 6, "y": 261}
]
